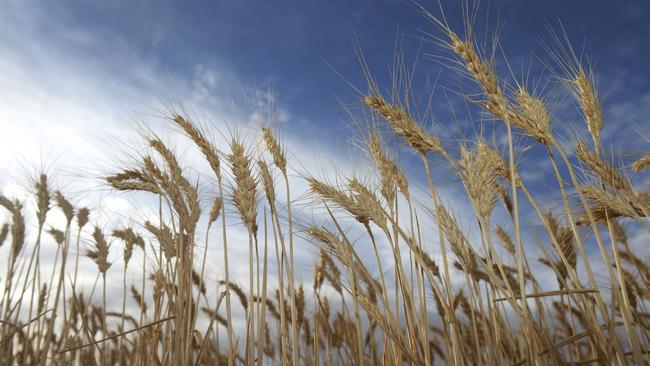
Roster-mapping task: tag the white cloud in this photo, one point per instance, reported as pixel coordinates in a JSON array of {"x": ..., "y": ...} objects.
[
  {"x": 62, "y": 105},
  {"x": 66, "y": 109}
]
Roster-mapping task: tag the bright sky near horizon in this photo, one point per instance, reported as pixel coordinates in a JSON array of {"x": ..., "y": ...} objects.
[{"x": 77, "y": 78}]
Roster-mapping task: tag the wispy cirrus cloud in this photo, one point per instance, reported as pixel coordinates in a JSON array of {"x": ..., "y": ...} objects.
[
  {"x": 73, "y": 94},
  {"x": 71, "y": 106}
]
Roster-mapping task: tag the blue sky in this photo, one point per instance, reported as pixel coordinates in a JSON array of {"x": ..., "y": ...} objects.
[
  {"x": 74, "y": 72},
  {"x": 292, "y": 41},
  {"x": 299, "y": 44}
]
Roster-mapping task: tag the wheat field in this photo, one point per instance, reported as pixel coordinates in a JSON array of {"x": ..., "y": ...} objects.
[{"x": 398, "y": 276}]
